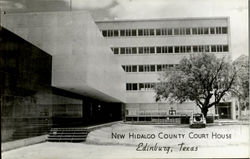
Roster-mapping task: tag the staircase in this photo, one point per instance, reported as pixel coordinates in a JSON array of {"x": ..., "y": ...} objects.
[{"x": 67, "y": 135}]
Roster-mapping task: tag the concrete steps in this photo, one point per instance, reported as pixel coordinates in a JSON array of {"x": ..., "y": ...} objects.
[{"x": 67, "y": 135}]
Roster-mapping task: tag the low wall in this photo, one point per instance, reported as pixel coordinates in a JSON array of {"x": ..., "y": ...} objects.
[{"x": 6, "y": 146}]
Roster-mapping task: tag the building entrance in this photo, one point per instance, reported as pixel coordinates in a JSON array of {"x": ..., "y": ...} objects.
[{"x": 224, "y": 110}]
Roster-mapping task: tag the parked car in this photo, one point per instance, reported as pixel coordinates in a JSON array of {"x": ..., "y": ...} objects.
[{"x": 197, "y": 120}]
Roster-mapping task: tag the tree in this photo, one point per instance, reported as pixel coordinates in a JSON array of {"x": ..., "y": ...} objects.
[
  {"x": 197, "y": 79},
  {"x": 241, "y": 89}
]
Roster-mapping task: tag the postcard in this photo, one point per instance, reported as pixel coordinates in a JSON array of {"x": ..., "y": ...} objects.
[{"x": 88, "y": 79}]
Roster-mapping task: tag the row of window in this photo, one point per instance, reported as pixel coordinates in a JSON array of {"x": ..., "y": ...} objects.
[
  {"x": 140, "y": 86},
  {"x": 170, "y": 49},
  {"x": 165, "y": 31},
  {"x": 148, "y": 68}
]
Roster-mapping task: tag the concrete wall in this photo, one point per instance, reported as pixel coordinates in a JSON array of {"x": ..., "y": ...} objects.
[{"x": 82, "y": 60}]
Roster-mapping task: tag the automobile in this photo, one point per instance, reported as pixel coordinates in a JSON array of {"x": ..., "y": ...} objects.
[{"x": 197, "y": 120}]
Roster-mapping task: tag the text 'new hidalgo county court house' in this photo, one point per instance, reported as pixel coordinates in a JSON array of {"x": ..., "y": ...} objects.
[{"x": 64, "y": 68}]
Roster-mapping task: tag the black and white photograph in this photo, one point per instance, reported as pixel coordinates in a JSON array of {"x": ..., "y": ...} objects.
[{"x": 124, "y": 79}]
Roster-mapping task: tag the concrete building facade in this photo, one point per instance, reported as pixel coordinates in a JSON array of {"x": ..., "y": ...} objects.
[
  {"x": 145, "y": 48},
  {"x": 57, "y": 71}
]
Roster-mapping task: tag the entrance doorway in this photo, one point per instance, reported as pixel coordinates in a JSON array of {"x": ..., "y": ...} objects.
[{"x": 223, "y": 110}]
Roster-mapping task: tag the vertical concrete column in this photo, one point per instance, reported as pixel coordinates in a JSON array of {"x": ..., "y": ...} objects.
[{"x": 233, "y": 111}]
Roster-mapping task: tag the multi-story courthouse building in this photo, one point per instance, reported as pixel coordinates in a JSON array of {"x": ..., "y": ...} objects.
[
  {"x": 146, "y": 48},
  {"x": 63, "y": 68}
]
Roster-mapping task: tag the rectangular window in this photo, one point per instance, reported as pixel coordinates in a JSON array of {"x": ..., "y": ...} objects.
[
  {"x": 164, "y": 67},
  {"x": 135, "y": 87},
  {"x": 110, "y": 33},
  {"x": 183, "y": 49},
  {"x": 224, "y": 30},
  {"x": 170, "y": 49},
  {"x": 219, "y": 48},
  {"x": 170, "y": 32},
  {"x": 212, "y": 31},
  {"x": 201, "y": 48},
  {"x": 164, "y": 49},
  {"x": 158, "y": 49},
  {"x": 146, "y": 68},
  {"x": 128, "y": 69},
  {"x": 146, "y": 50},
  {"x": 140, "y": 32},
  {"x": 128, "y": 50},
  {"x": 104, "y": 33},
  {"x": 128, "y": 86},
  {"x": 159, "y": 68},
  {"x": 213, "y": 48},
  {"x": 207, "y": 48},
  {"x": 116, "y": 50},
  {"x": 134, "y": 50},
  {"x": 158, "y": 31},
  {"x": 133, "y": 32},
  {"x": 182, "y": 31},
  {"x": 146, "y": 32},
  {"x": 195, "y": 48},
  {"x": 116, "y": 33},
  {"x": 122, "y": 32},
  {"x": 218, "y": 30},
  {"x": 200, "y": 30},
  {"x": 164, "y": 32},
  {"x": 176, "y": 31},
  {"x": 225, "y": 48},
  {"x": 205, "y": 30},
  {"x": 122, "y": 50},
  {"x": 176, "y": 49},
  {"x": 134, "y": 68},
  {"x": 188, "y": 32},
  {"x": 194, "y": 31},
  {"x": 141, "y": 86},
  {"x": 152, "y": 50},
  {"x": 152, "y": 68},
  {"x": 188, "y": 48},
  {"x": 152, "y": 32},
  {"x": 140, "y": 68},
  {"x": 128, "y": 32},
  {"x": 131, "y": 86},
  {"x": 140, "y": 50}
]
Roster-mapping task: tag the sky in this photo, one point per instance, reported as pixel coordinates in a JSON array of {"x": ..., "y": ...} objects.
[{"x": 237, "y": 10}]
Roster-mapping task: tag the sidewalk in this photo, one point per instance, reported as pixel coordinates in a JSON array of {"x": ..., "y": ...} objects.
[{"x": 231, "y": 122}]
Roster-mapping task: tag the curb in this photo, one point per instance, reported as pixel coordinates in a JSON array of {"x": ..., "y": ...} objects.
[{"x": 6, "y": 146}]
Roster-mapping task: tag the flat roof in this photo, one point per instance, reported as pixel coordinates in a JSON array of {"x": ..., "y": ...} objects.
[{"x": 161, "y": 19}]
